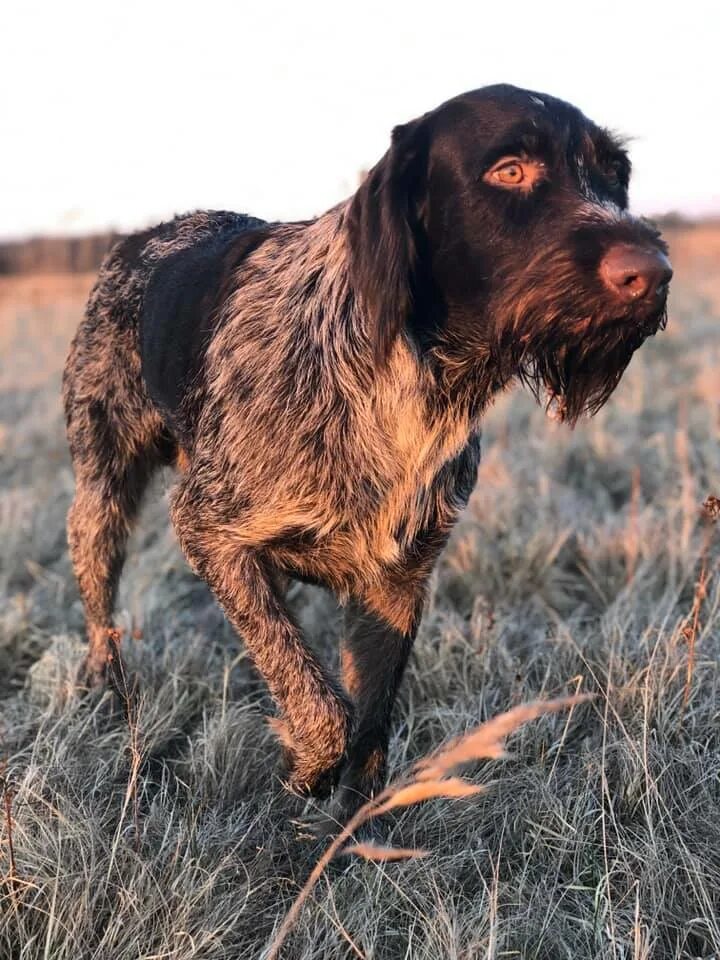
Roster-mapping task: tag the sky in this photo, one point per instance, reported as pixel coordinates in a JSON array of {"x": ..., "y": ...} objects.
[{"x": 121, "y": 114}]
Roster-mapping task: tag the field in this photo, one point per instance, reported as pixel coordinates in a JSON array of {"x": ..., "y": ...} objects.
[{"x": 583, "y": 563}]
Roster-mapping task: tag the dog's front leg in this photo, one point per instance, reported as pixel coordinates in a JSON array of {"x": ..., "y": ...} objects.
[
  {"x": 376, "y": 645},
  {"x": 316, "y": 716}
]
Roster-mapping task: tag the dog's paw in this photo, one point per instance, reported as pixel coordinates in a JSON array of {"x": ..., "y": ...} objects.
[
  {"x": 307, "y": 778},
  {"x": 102, "y": 662},
  {"x": 313, "y": 766}
]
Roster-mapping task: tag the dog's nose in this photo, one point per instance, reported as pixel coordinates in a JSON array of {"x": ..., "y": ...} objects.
[{"x": 635, "y": 273}]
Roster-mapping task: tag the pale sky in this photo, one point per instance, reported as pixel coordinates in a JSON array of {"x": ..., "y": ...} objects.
[{"x": 123, "y": 113}]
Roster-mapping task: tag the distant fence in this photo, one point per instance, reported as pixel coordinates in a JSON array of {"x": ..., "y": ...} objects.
[{"x": 55, "y": 254}]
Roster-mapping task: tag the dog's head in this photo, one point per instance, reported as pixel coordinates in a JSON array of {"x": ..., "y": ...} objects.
[{"x": 495, "y": 232}]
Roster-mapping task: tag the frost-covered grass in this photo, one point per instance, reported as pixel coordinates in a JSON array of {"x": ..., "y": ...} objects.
[{"x": 573, "y": 570}]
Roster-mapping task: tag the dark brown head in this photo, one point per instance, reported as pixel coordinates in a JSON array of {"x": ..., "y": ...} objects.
[{"x": 495, "y": 234}]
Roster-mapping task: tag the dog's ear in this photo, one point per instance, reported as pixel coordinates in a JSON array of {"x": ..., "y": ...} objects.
[{"x": 383, "y": 223}]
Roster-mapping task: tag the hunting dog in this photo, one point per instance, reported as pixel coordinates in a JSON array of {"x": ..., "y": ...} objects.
[{"x": 320, "y": 386}]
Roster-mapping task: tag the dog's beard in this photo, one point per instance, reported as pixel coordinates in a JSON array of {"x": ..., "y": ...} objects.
[
  {"x": 564, "y": 336},
  {"x": 574, "y": 366},
  {"x": 554, "y": 326}
]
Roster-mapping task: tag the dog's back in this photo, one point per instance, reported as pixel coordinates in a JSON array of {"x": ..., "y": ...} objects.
[
  {"x": 183, "y": 299},
  {"x": 147, "y": 318}
]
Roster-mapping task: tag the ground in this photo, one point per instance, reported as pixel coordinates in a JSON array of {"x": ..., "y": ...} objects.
[{"x": 575, "y": 568}]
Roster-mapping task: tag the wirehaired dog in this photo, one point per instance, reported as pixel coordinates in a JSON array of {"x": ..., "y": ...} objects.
[{"x": 320, "y": 386}]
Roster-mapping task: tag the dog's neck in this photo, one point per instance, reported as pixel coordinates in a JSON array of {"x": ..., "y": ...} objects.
[{"x": 440, "y": 380}]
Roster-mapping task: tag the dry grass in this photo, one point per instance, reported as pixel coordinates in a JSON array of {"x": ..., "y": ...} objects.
[
  {"x": 428, "y": 779},
  {"x": 583, "y": 564}
]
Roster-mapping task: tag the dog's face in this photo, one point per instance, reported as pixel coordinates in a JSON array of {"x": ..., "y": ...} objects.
[{"x": 496, "y": 230}]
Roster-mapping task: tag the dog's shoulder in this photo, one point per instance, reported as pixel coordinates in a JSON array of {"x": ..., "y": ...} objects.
[{"x": 191, "y": 268}]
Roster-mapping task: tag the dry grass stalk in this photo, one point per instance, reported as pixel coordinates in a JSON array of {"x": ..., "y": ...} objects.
[
  {"x": 691, "y": 627},
  {"x": 710, "y": 513},
  {"x": 632, "y": 547},
  {"x": 126, "y": 689},
  {"x": 688, "y": 502},
  {"x": 453, "y": 788},
  {"x": 424, "y": 782},
  {"x": 371, "y": 851},
  {"x": 487, "y": 740},
  {"x": 11, "y": 877}
]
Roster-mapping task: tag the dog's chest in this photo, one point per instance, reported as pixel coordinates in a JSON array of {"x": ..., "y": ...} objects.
[
  {"x": 425, "y": 468},
  {"x": 408, "y": 469}
]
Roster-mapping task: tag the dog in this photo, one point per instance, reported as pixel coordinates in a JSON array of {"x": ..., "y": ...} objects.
[{"x": 320, "y": 387}]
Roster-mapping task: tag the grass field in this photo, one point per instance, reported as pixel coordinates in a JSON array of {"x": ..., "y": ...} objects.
[{"x": 575, "y": 568}]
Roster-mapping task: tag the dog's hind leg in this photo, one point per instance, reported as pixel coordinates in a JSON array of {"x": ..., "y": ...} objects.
[
  {"x": 99, "y": 523},
  {"x": 315, "y": 715},
  {"x": 116, "y": 442}
]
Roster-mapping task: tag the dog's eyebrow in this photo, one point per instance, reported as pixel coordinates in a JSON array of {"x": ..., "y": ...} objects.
[{"x": 520, "y": 139}]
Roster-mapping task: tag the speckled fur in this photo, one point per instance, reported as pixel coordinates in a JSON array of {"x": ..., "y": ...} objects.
[{"x": 325, "y": 423}]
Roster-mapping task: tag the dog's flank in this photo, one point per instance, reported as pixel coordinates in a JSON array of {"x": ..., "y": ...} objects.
[{"x": 320, "y": 386}]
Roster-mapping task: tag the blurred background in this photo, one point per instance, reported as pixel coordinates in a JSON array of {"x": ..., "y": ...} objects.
[{"x": 116, "y": 116}]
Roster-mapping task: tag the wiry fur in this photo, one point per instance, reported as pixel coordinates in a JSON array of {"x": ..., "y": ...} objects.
[{"x": 321, "y": 384}]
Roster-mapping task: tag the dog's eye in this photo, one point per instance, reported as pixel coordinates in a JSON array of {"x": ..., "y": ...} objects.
[
  {"x": 515, "y": 172},
  {"x": 512, "y": 173},
  {"x": 614, "y": 174}
]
